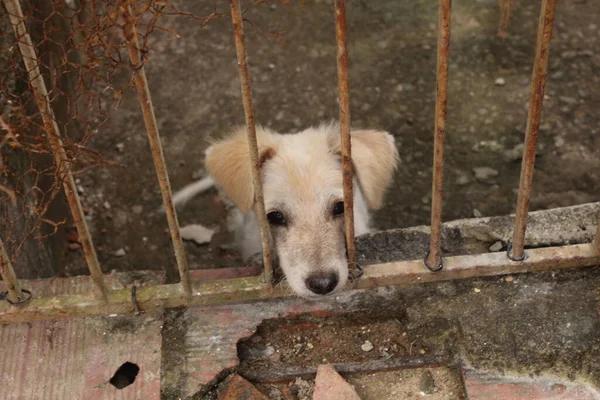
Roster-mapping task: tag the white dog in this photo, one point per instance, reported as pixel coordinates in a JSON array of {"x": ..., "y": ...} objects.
[{"x": 302, "y": 183}]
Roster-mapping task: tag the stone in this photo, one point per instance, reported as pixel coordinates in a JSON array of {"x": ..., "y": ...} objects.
[
  {"x": 463, "y": 180},
  {"x": 120, "y": 253},
  {"x": 484, "y": 173},
  {"x": 235, "y": 387},
  {"x": 329, "y": 385},
  {"x": 498, "y": 246},
  {"x": 427, "y": 383},
  {"x": 367, "y": 346},
  {"x": 197, "y": 233},
  {"x": 514, "y": 154},
  {"x": 500, "y": 82},
  {"x": 567, "y": 99}
]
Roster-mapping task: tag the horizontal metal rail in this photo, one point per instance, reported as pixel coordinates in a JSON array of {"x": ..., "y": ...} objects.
[
  {"x": 534, "y": 116},
  {"x": 259, "y": 201},
  {"x": 241, "y": 290},
  {"x": 141, "y": 84},
  {"x": 38, "y": 87}
]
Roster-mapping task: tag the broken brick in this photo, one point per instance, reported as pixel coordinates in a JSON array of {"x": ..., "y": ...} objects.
[
  {"x": 329, "y": 385},
  {"x": 237, "y": 388}
]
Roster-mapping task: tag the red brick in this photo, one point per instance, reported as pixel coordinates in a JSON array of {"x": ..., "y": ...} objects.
[
  {"x": 237, "y": 388},
  {"x": 329, "y": 385},
  {"x": 213, "y": 333},
  {"x": 75, "y": 358}
]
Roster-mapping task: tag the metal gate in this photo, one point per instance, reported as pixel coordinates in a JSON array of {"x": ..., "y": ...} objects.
[{"x": 22, "y": 305}]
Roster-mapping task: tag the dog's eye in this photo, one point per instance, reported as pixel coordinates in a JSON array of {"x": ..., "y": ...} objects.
[
  {"x": 338, "y": 208},
  {"x": 276, "y": 218}
]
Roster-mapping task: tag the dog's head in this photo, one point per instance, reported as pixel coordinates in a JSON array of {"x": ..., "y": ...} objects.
[{"x": 301, "y": 176}]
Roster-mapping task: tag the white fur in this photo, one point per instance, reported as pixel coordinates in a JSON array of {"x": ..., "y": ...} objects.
[{"x": 302, "y": 178}]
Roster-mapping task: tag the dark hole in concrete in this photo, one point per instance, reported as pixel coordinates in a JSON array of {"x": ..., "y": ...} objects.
[{"x": 125, "y": 375}]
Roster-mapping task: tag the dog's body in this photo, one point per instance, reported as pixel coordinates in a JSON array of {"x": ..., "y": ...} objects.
[{"x": 302, "y": 184}]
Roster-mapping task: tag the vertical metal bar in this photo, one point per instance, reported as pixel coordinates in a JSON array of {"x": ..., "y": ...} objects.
[
  {"x": 434, "y": 261},
  {"x": 63, "y": 166},
  {"x": 344, "y": 99},
  {"x": 141, "y": 84},
  {"x": 538, "y": 84},
  {"x": 259, "y": 203},
  {"x": 8, "y": 276}
]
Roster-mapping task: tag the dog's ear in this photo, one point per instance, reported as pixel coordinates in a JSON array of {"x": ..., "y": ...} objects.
[
  {"x": 375, "y": 158},
  {"x": 228, "y": 162}
]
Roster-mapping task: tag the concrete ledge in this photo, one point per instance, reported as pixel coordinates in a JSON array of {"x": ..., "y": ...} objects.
[{"x": 555, "y": 227}]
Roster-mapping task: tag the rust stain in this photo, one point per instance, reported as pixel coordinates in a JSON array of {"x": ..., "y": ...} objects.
[
  {"x": 242, "y": 290},
  {"x": 158, "y": 159},
  {"x": 341, "y": 36},
  {"x": 538, "y": 84},
  {"x": 259, "y": 202},
  {"x": 434, "y": 258}
]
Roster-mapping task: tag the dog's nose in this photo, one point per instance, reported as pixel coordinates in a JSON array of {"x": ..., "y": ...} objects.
[{"x": 322, "y": 283}]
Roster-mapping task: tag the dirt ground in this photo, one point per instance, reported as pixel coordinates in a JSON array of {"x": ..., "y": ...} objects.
[
  {"x": 195, "y": 89},
  {"x": 531, "y": 325},
  {"x": 435, "y": 383},
  {"x": 534, "y": 326}
]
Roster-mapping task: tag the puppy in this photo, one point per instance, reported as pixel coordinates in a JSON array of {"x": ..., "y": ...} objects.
[{"x": 302, "y": 182}]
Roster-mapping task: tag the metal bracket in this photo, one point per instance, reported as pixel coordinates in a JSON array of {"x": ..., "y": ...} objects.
[
  {"x": 433, "y": 269},
  {"x": 510, "y": 257},
  {"x": 136, "y": 306},
  {"x": 358, "y": 273}
]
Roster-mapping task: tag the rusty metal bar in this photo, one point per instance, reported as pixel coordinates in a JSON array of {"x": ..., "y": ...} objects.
[
  {"x": 259, "y": 202},
  {"x": 239, "y": 290},
  {"x": 8, "y": 276},
  {"x": 433, "y": 260},
  {"x": 38, "y": 87},
  {"x": 538, "y": 84},
  {"x": 344, "y": 99},
  {"x": 141, "y": 84}
]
